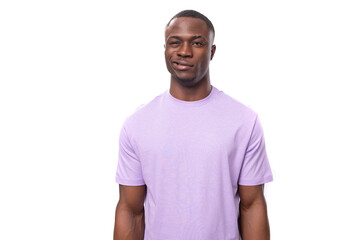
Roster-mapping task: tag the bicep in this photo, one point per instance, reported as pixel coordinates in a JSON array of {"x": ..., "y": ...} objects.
[
  {"x": 250, "y": 195},
  {"x": 132, "y": 197}
]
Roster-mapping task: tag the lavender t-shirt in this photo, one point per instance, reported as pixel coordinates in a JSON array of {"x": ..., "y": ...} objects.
[{"x": 192, "y": 155}]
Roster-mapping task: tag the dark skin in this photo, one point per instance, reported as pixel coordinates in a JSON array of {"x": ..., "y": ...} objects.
[
  {"x": 130, "y": 214},
  {"x": 253, "y": 219},
  {"x": 189, "y": 49}
]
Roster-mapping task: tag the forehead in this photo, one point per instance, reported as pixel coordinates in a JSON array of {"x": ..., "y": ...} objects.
[{"x": 183, "y": 26}]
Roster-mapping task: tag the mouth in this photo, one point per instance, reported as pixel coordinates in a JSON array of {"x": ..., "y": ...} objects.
[{"x": 181, "y": 65}]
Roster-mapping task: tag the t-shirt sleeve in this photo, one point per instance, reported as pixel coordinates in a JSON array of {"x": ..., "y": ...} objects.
[
  {"x": 255, "y": 168},
  {"x": 129, "y": 171}
]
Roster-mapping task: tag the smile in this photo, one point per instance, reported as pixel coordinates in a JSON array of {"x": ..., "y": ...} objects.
[{"x": 181, "y": 65}]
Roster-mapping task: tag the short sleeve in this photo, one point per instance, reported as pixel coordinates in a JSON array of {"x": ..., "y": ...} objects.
[
  {"x": 255, "y": 168},
  {"x": 129, "y": 170}
]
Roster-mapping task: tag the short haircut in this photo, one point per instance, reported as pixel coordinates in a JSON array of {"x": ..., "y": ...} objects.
[{"x": 194, "y": 14}]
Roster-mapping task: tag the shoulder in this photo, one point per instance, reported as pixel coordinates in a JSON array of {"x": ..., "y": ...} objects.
[
  {"x": 144, "y": 111},
  {"x": 236, "y": 108}
]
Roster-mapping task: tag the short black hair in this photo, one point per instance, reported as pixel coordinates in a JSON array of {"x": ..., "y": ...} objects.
[{"x": 194, "y": 14}]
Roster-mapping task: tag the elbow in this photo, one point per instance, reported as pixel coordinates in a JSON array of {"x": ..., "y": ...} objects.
[{"x": 259, "y": 202}]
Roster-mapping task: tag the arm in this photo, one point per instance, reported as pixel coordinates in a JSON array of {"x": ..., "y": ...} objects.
[
  {"x": 130, "y": 213},
  {"x": 254, "y": 223}
]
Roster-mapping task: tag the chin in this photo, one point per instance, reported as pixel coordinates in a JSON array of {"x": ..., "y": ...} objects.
[
  {"x": 186, "y": 81},
  {"x": 185, "y": 78}
]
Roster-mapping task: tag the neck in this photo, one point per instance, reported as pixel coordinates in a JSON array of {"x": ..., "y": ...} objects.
[{"x": 190, "y": 93}]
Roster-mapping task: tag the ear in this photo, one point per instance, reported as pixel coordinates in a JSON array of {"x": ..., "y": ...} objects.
[{"x": 213, "y": 49}]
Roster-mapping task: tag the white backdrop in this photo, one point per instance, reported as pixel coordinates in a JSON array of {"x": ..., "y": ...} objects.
[{"x": 71, "y": 71}]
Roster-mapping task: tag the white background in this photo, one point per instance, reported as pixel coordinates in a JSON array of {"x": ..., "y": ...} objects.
[{"x": 71, "y": 71}]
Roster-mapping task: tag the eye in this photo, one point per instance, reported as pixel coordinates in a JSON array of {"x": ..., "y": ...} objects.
[
  {"x": 174, "y": 43},
  {"x": 198, "y": 43}
]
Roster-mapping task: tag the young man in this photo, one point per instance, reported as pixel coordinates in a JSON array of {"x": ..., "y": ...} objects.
[{"x": 193, "y": 154}]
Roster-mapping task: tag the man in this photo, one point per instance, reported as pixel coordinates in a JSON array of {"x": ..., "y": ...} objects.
[{"x": 193, "y": 154}]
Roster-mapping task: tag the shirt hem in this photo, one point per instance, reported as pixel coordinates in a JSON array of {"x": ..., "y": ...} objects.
[
  {"x": 130, "y": 182},
  {"x": 256, "y": 182}
]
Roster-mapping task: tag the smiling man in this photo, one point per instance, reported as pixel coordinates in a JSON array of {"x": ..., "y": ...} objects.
[
  {"x": 188, "y": 51},
  {"x": 194, "y": 155}
]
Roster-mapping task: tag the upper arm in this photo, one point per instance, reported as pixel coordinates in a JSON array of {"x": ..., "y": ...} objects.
[
  {"x": 132, "y": 197},
  {"x": 255, "y": 168},
  {"x": 250, "y": 195}
]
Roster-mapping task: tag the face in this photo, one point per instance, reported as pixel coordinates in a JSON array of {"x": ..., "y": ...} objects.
[{"x": 188, "y": 50}]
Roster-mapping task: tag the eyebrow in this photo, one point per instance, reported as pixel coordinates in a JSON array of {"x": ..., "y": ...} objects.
[{"x": 192, "y": 38}]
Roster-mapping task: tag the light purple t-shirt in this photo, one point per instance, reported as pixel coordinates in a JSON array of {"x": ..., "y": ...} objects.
[{"x": 192, "y": 155}]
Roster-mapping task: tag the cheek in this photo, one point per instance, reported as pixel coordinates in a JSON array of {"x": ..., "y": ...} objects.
[
  {"x": 204, "y": 60},
  {"x": 169, "y": 54}
]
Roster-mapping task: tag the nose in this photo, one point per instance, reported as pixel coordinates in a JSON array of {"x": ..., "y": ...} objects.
[{"x": 185, "y": 50}]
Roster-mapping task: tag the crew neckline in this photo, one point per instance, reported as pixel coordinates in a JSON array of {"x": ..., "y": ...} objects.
[{"x": 192, "y": 103}]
